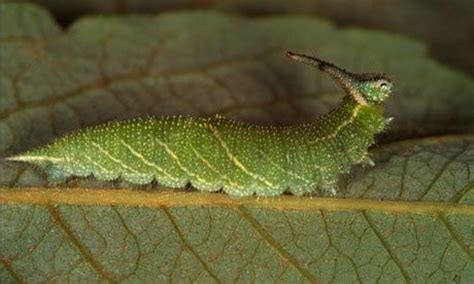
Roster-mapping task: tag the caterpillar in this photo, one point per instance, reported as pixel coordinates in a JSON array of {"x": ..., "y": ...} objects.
[{"x": 221, "y": 154}]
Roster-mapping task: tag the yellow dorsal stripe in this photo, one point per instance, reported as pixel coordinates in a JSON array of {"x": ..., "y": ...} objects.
[
  {"x": 96, "y": 164},
  {"x": 236, "y": 161},
  {"x": 103, "y": 151},
  {"x": 351, "y": 119},
  {"x": 181, "y": 166},
  {"x": 147, "y": 162},
  {"x": 206, "y": 162}
]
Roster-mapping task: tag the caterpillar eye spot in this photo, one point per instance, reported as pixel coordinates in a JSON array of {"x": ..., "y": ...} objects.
[
  {"x": 385, "y": 85},
  {"x": 217, "y": 153}
]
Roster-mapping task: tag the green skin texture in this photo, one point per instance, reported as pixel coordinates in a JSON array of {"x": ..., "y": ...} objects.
[{"x": 218, "y": 153}]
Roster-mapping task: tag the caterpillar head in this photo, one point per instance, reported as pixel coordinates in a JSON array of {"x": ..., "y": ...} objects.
[
  {"x": 365, "y": 88},
  {"x": 373, "y": 88}
]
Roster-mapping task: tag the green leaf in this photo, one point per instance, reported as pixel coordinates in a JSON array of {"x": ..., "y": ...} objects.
[
  {"x": 451, "y": 42},
  {"x": 423, "y": 234},
  {"x": 198, "y": 63},
  {"x": 408, "y": 218}
]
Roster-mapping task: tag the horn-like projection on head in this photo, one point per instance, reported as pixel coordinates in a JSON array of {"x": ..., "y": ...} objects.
[{"x": 365, "y": 88}]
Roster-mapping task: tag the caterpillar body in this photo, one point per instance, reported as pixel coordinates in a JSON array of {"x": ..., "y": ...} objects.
[{"x": 217, "y": 153}]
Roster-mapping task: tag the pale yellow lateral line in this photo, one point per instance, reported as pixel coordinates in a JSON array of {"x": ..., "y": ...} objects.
[
  {"x": 181, "y": 166},
  {"x": 349, "y": 121},
  {"x": 236, "y": 161},
  {"x": 103, "y": 151},
  {"x": 147, "y": 162},
  {"x": 130, "y": 197},
  {"x": 354, "y": 114},
  {"x": 206, "y": 162},
  {"x": 22, "y": 158},
  {"x": 96, "y": 164},
  {"x": 282, "y": 169}
]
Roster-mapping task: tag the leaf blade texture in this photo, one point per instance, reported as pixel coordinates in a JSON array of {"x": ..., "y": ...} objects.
[{"x": 409, "y": 218}]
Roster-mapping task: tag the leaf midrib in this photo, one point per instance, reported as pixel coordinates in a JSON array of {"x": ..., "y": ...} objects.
[{"x": 127, "y": 197}]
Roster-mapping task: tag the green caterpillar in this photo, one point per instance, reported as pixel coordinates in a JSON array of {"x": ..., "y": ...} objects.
[{"x": 218, "y": 153}]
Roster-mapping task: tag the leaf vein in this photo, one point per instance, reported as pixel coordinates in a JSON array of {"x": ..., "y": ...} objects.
[
  {"x": 136, "y": 76},
  {"x": 135, "y": 239},
  {"x": 8, "y": 267},
  {"x": 387, "y": 248},
  {"x": 83, "y": 250},
  {"x": 442, "y": 170},
  {"x": 187, "y": 245},
  {"x": 455, "y": 236},
  {"x": 274, "y": 244}
]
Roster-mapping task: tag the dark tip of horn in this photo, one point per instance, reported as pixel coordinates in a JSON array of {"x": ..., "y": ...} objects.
[
  {"x": 290, "y": 54},
  {"x": 310, "y": 60}
]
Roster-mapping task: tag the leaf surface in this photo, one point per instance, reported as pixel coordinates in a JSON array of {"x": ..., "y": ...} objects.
[
  {"x": 450, "y": 42},
  {"x": 199, "y": 63},
  {"x": 408, "y": 218},
  {"x": 423, "y": 233}
]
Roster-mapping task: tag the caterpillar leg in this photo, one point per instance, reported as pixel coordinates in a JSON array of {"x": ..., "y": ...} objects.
[
  {"x": 366, "y": 161},
  {"x": 388, "y": 121},
  {"x": 237, "y": 192},
  {"x": 329, "y": 189},
  {"x": 138, "y": 179},
  {"x": 56, "y": 175}
]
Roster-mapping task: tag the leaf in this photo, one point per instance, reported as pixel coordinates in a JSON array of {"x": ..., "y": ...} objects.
[
  {"x": 423, "y": 234},
  {"x": 198, "y": 63},
  {"x": 451, "y": 42},
  {"x": 409, "y": 218}
]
